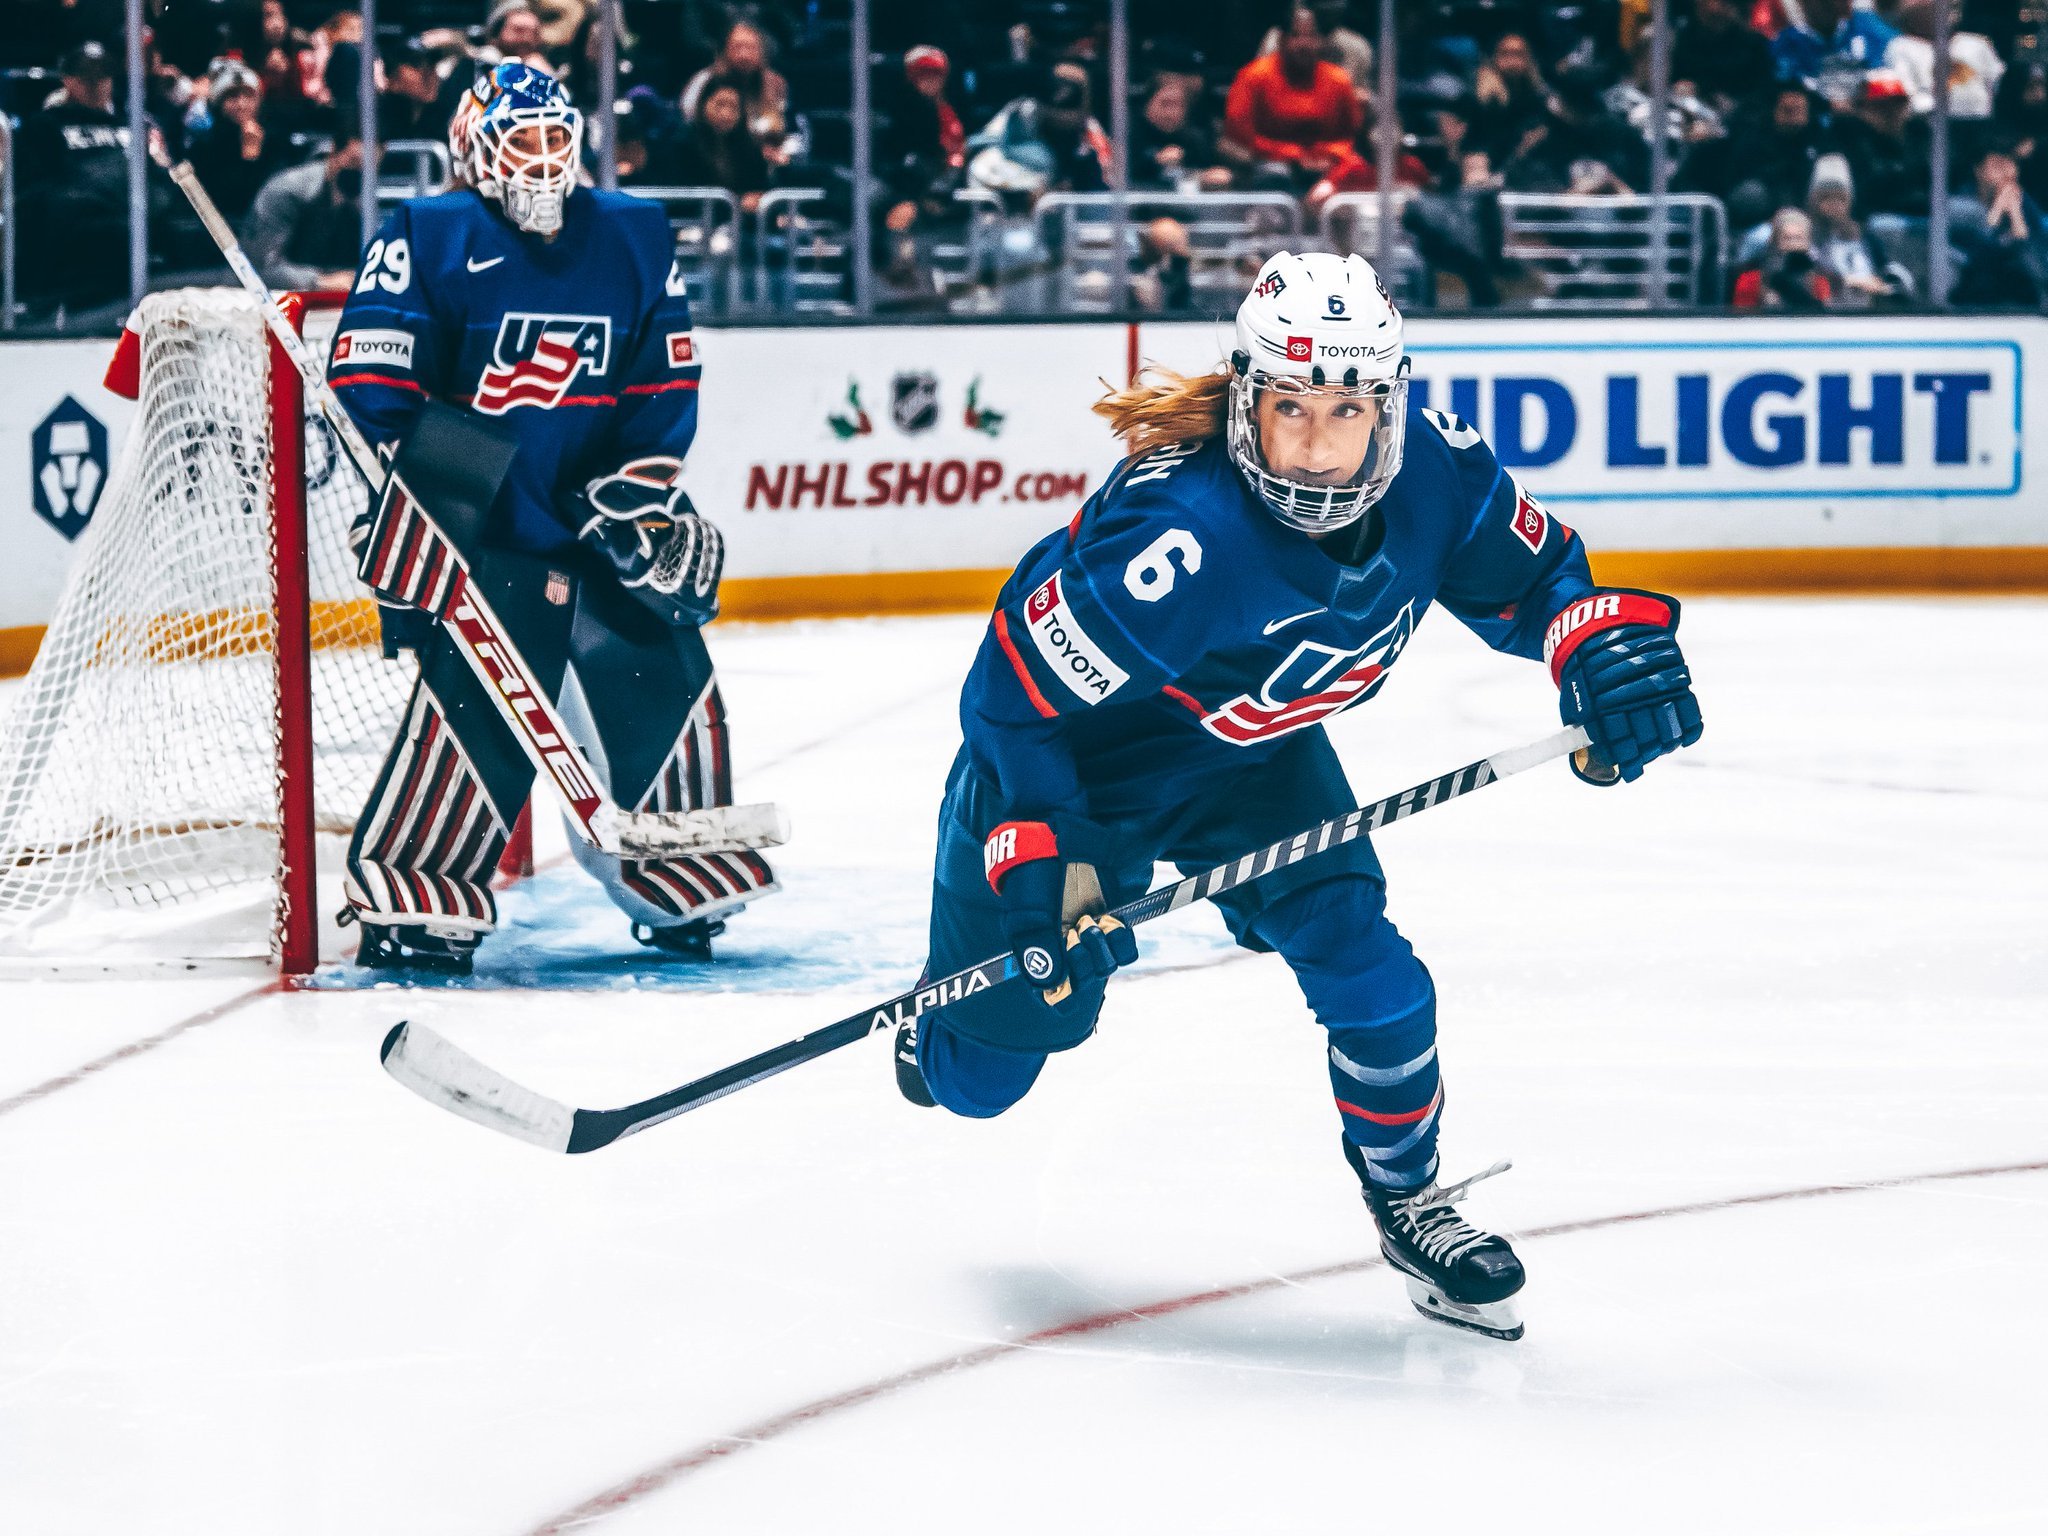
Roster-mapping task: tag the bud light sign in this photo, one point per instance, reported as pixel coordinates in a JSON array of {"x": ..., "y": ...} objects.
[{"x": 1702, "y": 420}]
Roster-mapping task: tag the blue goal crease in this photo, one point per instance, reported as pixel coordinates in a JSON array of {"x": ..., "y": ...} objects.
[{"x": 557, "y": 932}]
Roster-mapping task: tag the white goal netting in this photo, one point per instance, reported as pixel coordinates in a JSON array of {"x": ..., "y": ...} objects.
[{"x": 139, "y": 767}]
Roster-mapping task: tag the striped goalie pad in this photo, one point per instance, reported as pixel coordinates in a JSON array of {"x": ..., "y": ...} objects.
[
  {"x": 407, "y": 558},
  {"x": 430, "y": 837},
  {"x": 381, "y": 894},
  {"x": 698, "y": 773}
]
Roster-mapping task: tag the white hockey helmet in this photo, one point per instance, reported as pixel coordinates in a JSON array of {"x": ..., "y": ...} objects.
[
  {"x": 1324, "y": 325},
  {"x": 519, "y": 141}
]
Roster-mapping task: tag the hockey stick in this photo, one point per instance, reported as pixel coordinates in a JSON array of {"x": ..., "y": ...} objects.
[
  {"x": 482, "y": 638},
  {"x": 443, "y": 1074}
]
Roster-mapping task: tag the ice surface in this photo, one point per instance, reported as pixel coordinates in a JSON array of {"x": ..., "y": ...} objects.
[{"x": 248, "y": 1285}]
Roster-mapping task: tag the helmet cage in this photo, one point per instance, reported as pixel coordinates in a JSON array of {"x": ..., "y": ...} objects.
[
  {"x": 532, "y": 185},
  {"x": 1303, "y": 504}
]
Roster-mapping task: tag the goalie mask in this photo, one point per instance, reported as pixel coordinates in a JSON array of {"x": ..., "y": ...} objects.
[
  {"x": 1319, "y": 389},
  {"x": 519, "y": 142}
]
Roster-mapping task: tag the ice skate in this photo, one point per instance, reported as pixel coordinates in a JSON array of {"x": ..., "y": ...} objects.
[
  {"x": 411, "y": 947},
  {"x": 1456, "y": 1273},
  {"x": 691, "y": 941}
]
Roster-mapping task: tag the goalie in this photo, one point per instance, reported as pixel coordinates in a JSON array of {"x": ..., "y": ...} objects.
[{"x": 557, "y": 310}]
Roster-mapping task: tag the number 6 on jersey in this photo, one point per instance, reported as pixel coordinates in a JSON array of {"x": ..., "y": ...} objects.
[{"x": 1150, "y": 575}]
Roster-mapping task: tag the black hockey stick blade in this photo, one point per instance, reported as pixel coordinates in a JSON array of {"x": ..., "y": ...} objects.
[{"x": 445, "y": 1075}]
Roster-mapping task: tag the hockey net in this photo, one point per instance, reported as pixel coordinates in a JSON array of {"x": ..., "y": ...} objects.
[{"x": 152, "y": 773}]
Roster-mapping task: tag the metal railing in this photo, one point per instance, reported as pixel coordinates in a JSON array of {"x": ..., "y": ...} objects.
[
  {"x": 6, "y": 223},
  {"x": 1350, "y": 223},
  {"x": 1591, "y": 252},
  {"x": 800, "y": 260},
  {"x": 968, "y": 262},
  {"x": 708, "y": 236},
  {"x": 431, "y": 170},
  {"x": 1230, "y": 235},
  {"x": 1073, "y": 254}
]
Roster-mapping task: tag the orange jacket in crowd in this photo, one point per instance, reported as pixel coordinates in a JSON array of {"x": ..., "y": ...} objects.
[{"x": 1277, "y": 121}]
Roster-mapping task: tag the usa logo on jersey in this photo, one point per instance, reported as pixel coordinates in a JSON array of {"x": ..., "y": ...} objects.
[
  {"x": 1313, "y": 683},
  {"x": 537, "y": 358}
]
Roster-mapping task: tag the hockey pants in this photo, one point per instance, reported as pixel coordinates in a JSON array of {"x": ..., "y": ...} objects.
[
  {"x": 639, "y": 697},
  {"x": 1327, "y": 919}
]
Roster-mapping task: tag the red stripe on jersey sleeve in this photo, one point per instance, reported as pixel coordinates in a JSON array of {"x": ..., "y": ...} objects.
[
  {"x": 1009, "y": 646},
  {"x": 375, "y": 378}
]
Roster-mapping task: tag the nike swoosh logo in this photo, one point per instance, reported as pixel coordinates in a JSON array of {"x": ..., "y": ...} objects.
[
  {"x": 1283, "y": 623},
  {"x": 478, "y": 266}
]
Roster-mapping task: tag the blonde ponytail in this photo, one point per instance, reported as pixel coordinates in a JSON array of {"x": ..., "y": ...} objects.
[{"x": 1164, "y": 409}]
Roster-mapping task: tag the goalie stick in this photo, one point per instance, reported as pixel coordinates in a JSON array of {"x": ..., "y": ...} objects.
[
  {"x": 444, "y": 1074},
  {"x": 477, "y": 631}
]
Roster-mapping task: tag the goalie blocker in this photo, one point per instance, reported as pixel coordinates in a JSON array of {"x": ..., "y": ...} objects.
[{"x": 637, "y": 693}]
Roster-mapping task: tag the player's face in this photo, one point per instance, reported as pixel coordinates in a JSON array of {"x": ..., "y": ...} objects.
[
  {"x": 1314, "y": 437},
  {"x": 534, "y": 146}
]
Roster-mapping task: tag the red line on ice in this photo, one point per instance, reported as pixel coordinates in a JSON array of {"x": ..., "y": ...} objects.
[
  {"x": 137, "y": 1047},
  {"x": 710, "y": 1452}
]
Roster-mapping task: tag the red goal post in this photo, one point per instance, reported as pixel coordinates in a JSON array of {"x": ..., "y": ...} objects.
[{"x": 210, "y": 705}]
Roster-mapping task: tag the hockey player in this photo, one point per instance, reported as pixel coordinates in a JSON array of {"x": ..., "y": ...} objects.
[
  {"x": 557, "y": 309},
  {"x": 1153, "y": 685}
]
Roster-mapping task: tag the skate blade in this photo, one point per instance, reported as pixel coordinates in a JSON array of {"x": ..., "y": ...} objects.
[{"x": 1497, "y": 1319}]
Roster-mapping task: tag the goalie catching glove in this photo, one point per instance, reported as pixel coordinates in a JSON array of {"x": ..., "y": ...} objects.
[
  {"x": 1614, "y": 656},
  {"x": 662, "y": 552}
]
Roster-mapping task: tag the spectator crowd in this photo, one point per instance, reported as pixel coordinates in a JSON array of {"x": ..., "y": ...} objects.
[{"x": 1807, "y": 120}]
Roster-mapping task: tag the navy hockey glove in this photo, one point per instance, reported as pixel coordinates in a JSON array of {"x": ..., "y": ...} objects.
[
  {"x": 662, "y": 552},
  {"x": 1620, "y": 674},
  {"x": 1069, "y": 963}
]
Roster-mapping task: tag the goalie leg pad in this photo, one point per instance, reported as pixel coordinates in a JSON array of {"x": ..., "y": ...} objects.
[
  {"x": 646, "y": 702},
  {"x": 438, "y": 817},
  {"x": 693, "y": 773},
  {"x": 640, "y": 681}
]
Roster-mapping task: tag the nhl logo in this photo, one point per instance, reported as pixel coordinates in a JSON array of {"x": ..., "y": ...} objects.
[
  {"x": 558, "y": 589},
  {"x": 914, "y": 402}
]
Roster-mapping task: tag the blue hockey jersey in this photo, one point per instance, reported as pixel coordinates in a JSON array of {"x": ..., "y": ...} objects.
[
  {"x": 582, "y": 341},
  {"x": 1176, "y": 630}
]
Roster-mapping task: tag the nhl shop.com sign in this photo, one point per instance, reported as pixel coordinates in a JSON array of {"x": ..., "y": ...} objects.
[
  {"x": 850, "y": 450},
  {"x": 68, "y": 467}
]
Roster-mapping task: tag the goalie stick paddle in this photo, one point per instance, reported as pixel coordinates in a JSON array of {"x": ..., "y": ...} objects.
[
  {"x": 444, "y": 1074},
  {"x": 479, "y": 634}
]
